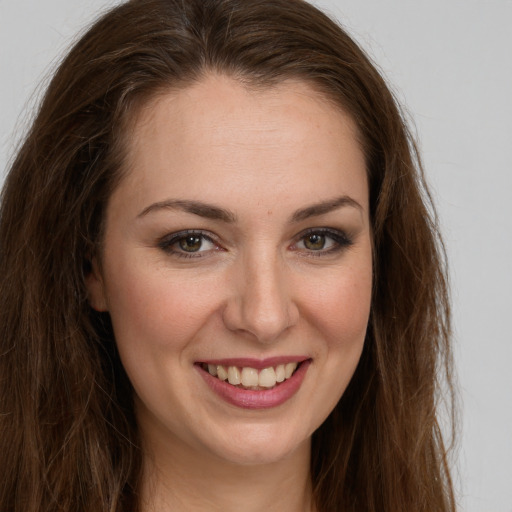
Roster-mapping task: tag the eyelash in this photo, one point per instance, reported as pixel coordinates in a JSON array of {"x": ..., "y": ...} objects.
[
  {"x": 168, "y": 242},
  {"x": 340, "y": 242}
]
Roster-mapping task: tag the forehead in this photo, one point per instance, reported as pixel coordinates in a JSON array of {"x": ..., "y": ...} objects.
[{"x": 218, "y": 134}]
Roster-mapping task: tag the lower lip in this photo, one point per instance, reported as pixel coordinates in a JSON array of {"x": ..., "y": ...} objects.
[{"x": 262, "y": 399}]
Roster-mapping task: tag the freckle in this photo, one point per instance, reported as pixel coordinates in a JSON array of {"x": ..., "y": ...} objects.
[{"x": 269, "y": 212}]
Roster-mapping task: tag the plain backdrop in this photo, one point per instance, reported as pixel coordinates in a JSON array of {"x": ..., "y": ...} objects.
[{"x": 450, "y": 63}]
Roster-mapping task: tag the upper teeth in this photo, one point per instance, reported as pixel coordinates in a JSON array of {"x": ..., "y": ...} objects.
[{"x": 250, "y": 377}]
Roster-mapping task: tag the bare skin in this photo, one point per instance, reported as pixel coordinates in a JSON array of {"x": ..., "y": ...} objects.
[
  {"x": 241, "y": 230},
  {"x": 284, "y": 486}
]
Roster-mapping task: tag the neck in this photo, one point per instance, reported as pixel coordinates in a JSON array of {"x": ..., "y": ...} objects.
[{"x": 178, "y": 479}]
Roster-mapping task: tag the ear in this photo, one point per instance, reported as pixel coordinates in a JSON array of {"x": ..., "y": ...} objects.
[{"x": 96, "y": 288}]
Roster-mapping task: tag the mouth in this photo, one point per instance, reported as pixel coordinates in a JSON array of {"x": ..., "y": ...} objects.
[
  {"x": 253, "y": 383},
  {"x": 250, "y": 378}
]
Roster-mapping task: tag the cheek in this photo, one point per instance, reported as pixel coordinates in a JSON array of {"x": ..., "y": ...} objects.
[
  {"x": 158, "y": 309},
  {"x": 340, "y": 308},
  {"x": 337, "y": 312}
]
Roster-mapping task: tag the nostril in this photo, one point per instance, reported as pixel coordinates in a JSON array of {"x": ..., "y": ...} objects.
[{"x": 260, "y": 305}]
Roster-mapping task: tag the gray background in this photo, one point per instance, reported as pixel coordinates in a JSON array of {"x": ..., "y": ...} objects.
[{"x": 449, "y": 62}]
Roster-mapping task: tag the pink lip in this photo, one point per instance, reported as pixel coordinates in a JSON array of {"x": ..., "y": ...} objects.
[
  {"x": 257, "y": 364},
  {"x": 249, "y": 399}
]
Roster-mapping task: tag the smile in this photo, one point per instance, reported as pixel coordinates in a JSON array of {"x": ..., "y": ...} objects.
[
  {"x": 251, "y": 378},
  {"x": 253, "y": 384}
]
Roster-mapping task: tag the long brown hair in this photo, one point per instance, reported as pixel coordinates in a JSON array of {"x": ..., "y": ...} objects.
[{"x": 69, "y": 438}]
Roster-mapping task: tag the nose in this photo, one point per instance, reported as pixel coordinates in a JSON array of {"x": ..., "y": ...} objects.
[{"x": 260, "y": 302}]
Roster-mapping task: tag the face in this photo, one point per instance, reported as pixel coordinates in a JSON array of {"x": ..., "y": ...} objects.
[{"x": 238, "y": 243}]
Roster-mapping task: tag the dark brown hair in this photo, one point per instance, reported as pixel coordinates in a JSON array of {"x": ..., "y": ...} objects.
[{"x": 68, "y": 438}]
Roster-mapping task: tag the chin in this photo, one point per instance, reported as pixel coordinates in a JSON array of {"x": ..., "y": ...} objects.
[{"x": 259, "y": 446}]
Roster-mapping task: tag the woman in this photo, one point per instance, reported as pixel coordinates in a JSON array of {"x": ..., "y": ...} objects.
[{"x": 222, "y": 286}]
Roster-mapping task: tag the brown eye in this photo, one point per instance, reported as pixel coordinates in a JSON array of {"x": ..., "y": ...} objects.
[
  {"x": 314, "y": 242},
  {"x": 191, "y": 243},
  {"x": 188, "y": 244},
  {"x": 322, "y": 242}
]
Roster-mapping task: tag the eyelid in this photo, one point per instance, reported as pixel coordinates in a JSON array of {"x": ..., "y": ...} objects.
[
  {"x": 166, "y": 242},
  {"x": 341, "y": 239}
]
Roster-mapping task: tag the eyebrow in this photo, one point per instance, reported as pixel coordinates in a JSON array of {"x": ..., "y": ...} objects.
[
  {"x": 213, "y": 212},
  {"x": 208, "y": 211},
  {"x": 324, "y": 207}
]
